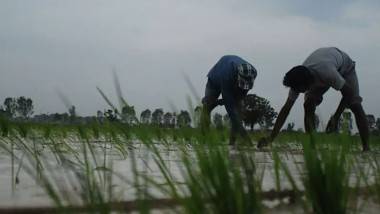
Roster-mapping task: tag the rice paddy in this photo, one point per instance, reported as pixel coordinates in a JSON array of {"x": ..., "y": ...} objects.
[{"x": 112, "y": 167}]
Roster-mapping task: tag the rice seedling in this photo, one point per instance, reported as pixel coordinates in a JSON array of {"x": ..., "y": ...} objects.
[
  {"x": 376, "y": 171},
  {"x": 94, "y": 187},
  {"x": 326, "y": 177},
  {"x": 371, "y": 176},
  {"x": 212, "y": 183},
  {"x": 75, "y": 159}
]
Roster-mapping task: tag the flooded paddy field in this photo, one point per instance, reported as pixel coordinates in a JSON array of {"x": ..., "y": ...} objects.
[{"x": 118, "y": 169}]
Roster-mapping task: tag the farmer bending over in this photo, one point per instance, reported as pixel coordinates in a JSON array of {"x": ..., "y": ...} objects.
[
  {"x": 324, "y": 68},
  {"x": 232, "y": 77}
]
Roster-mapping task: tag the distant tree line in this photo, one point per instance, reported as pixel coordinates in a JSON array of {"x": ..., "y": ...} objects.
[
  {"x": 168, "y": 120},
  {"x": 255, "y": 111},
  {"x": 17, "y": 108}
]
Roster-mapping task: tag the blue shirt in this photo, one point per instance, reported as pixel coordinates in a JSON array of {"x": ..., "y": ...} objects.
[{"x": 223, "y": 77}]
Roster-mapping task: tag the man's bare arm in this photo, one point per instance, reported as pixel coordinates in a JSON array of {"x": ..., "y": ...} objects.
[
  {"x": 281, "y": 118},
  {"x": 309, "y": 118}
]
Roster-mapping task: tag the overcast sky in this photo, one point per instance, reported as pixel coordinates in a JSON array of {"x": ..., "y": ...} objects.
[{"x": 73, "y": 46}]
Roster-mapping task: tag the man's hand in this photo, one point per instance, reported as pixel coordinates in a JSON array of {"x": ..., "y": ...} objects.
[
  {"x": 263, "y": 142},
  {"x": 332, "y": 125}
]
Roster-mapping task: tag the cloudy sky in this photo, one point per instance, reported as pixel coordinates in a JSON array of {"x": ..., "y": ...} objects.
[{"x": 73, "y": 46}]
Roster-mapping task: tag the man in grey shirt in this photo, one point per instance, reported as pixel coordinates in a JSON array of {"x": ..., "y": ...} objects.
[{"x": 324, "y": 68}]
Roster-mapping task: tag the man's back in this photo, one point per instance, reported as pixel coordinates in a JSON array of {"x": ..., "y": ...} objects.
[
  {"x": 225, "y": 70},
  {"x": 329, "y": 65}
]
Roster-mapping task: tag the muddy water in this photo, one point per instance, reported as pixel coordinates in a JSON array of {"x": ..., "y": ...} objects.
[{"x": 27, "y": 192}]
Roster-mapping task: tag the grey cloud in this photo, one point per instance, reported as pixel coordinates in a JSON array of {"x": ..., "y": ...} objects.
[{"x": 73, "y": 45}]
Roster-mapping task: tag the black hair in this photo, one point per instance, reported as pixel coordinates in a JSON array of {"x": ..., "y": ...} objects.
[{"x": 298, "y": 78}]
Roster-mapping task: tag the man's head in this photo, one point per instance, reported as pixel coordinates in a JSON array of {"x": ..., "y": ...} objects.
[
  {"x": 246, "y": 76},
  {"x": 299, "y": 79}
]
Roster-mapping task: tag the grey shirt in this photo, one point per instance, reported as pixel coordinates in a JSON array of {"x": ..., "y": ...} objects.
[{"x": 329, "y": 66}]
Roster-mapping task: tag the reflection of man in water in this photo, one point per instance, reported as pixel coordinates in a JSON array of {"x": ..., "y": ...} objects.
[
  {"x": 324, "y": 68},
  {"x": 232, "y": 77}
]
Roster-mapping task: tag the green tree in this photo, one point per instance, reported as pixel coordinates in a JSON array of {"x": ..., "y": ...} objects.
[
  {"x": 257, "y": 110},
  {"x": 218, "y": 120},
  {"x": 24, "y": 107},
  {"x": 345, "y": 122},
  {"x": 128, "y": 114},
  {"x": 110, "y": 115},
  {"x": 183, "y": 119},
  {"x": 197, "y": 116},
  {"x": 145, "y": 116},
  {"x": 99, "y": 116},
  {"x": 65, "y": 117},
  {"x": 378, "y": 124},
  {"x": 72, "y": 113},
  {"x": 10, "y": 106},
  {"x": 174, "y": 119},
  {"x": 371, "y": 122},
  {"x": 157, "y": 116},
  {"x": 57, "y": 117},
  {"x": 168, "y": 119}
]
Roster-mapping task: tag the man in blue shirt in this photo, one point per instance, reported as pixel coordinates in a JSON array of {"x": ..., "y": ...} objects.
[{"x": 232, "y": 77}]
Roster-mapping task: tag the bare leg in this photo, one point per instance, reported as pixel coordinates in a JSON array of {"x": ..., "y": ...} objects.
[
  {"x": 313, "y": 98},
  {"x": 332, "y": 125},
  {"x": 210, "y": 101},
  {"x": 362, "y": 123},
  {"x": 208, "y": 106}
]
